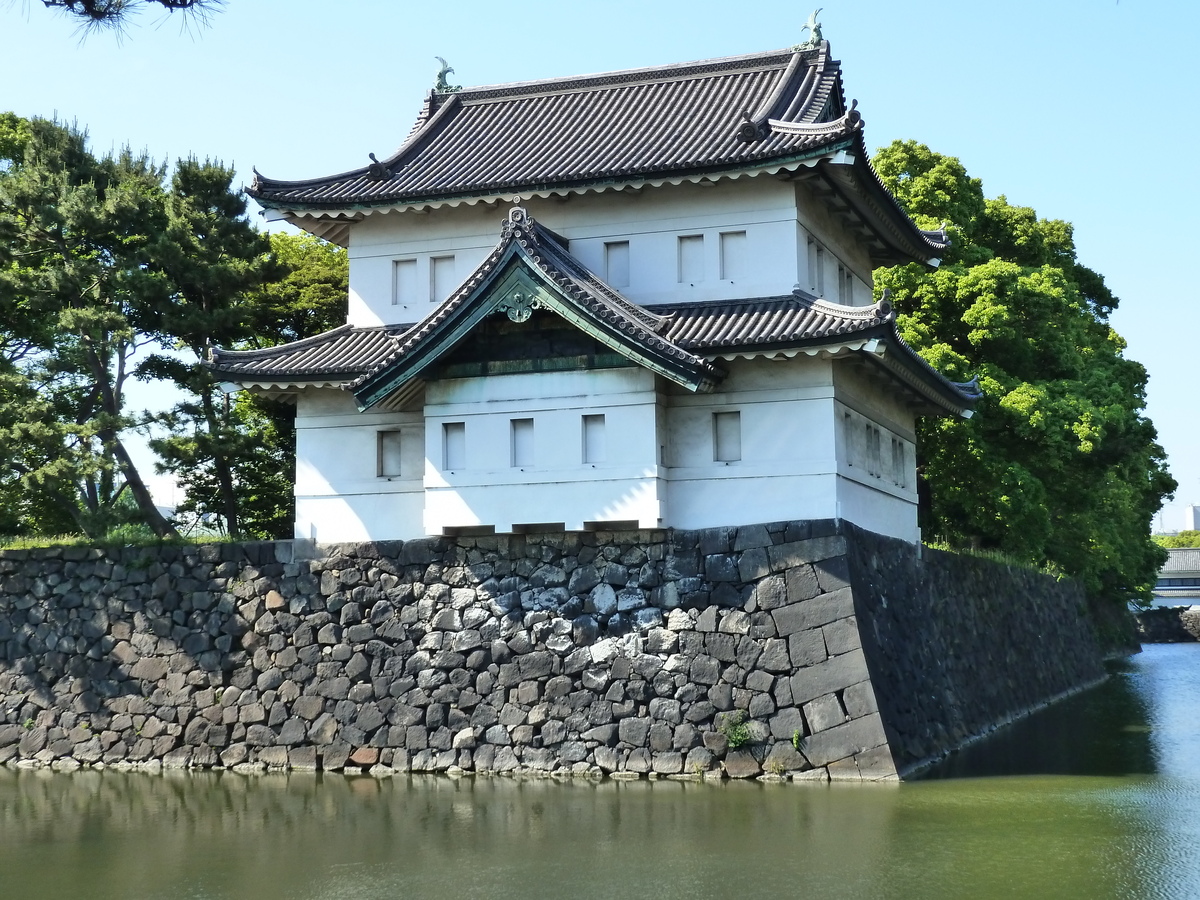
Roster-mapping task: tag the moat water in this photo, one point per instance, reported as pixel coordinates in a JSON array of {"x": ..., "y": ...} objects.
[{"x": 1096, "y": 798}]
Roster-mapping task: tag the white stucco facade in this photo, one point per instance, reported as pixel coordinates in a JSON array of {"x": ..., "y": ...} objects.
[
  {"x": 754, "y": 237},
  {"x": 804, "y": 451},
  {"x": 570, "y": 318}
]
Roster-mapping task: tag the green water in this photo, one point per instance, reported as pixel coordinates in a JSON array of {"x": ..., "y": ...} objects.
[{"x": 1097, "y": 798}]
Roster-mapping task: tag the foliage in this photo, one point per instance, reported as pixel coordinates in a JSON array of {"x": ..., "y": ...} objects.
[
  {"x": 733, "y": 726},
  {"x": 213, "y": 259},
  {"x": 115, "y": 13},
  {"x": 1178, "y": 541},
  {"x": 75, "y": 233},
  {"x": 1058, "y": 466},
  {"x": 102, "y": 257},
  {"x": 235, "y": 456}
]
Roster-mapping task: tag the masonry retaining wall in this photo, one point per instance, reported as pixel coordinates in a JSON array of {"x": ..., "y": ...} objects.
[{"x": 808, "y": 650}]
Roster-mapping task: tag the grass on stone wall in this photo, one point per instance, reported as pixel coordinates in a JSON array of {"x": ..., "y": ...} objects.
[
  {"x": 121, "y": 536},
  {"x": 998, "y": 556}
]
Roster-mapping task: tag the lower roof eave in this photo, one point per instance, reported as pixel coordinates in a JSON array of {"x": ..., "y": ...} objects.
[{"x": 348, "y": 213}]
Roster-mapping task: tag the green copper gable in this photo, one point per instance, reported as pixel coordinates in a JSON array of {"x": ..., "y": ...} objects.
[{"x": 530, "y": 271}]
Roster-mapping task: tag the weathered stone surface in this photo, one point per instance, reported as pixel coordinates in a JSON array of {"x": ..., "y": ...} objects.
[
  {"x": 570, "y": 653},
  {"x": 741, "y": 764},
  {"x": 834, "y": 674},
  {"x": 844, "y": 741}
]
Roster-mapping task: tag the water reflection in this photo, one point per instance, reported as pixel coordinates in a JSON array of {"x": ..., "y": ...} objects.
[{"x": 1096, "y": 828}]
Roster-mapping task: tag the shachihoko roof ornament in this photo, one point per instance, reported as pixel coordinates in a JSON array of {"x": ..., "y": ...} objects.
[
  {"x": 442, "y": 86},
  {"x": 813, "y": 27}
]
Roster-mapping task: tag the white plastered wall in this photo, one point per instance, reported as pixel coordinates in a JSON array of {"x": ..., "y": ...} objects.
[
  {"x": 877, "y": 473},
  {"x": 651, "y": 220},
  {"x": 787, "y": 467},
  {"x": 557, "y": 486},
  {"x": 340, "y": 495}
]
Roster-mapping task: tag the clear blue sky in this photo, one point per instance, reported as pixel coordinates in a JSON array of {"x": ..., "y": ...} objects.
[{"x": 1082, "y": 109}]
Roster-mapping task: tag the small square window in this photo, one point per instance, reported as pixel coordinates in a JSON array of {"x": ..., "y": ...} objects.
[
  {"x": 522, "y": 442},
  {"x": 691, "y": 258},
  {"x": 616, "y": 263},
  {"x": 454, "y": 445},
  {"x": 727, "y": 436},
  {"x": 441, "y": 278},
  {"x": 594, "y": 449},
  {"x": 389, "y": 454},
  {"x": 734, "y": 263},
  {"x": 404, "y": 281}
]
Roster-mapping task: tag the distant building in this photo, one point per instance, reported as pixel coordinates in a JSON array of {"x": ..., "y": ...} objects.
[
  {"x": 1191, "y": 515},
  {"x": 1179, "y": 580},
  {"x": 639, "y": 299}
]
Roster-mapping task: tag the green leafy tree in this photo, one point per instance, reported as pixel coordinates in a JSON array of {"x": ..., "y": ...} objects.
[
  {"x": 1059, "y": 465},
  {"x": 214, "y": 260},
  {"x": 235, "y": 456},
  {"x": 1178, "y": 541},
  {"x": 75, "y": 231}
]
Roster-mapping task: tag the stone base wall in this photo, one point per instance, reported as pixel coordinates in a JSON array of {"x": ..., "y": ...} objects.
[
  {"x": 1169, "y": 624},
  {"x": 958, "y": 646},
  {"x": 798, "y": 650}
]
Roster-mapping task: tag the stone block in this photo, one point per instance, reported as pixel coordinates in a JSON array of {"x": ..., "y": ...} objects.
[
  {"x": 742, "y": 764},
  {"x": 844, "y": 741},
  {"x": 775, "y": 656},
  {"x": 842, "y": 636},
  {"x": 807, "y": 648},
  {"x": 753, "y": 565},
  {"x": 798, "y": 553},
  {"x": 859, "y": 700},
  {"x": 814, "y": 613},
  {"x": 771, "y": 593},
  {"x": 876, "y": 764},
  {"x": 824, "y": 713},
  {"x": 834, "y": 674}
]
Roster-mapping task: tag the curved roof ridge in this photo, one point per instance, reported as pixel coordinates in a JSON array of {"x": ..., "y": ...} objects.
[
  {"x": 262, "y": 352},
  {"x": 627, "y": 76}
]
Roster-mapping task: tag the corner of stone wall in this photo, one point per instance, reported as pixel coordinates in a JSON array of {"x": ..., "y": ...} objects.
[{"x": 958, "y": 646}]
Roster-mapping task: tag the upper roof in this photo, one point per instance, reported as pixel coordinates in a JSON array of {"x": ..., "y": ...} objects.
[
  {"x": 531, "y": 268},
  {"x": 783, "y": 109}
]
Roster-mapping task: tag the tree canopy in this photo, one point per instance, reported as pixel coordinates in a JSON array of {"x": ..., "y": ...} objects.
[
  {"x": 110, "y": 270},
  {"x": 114, "y": 13},
  {"x": 1059, "y": 465}
]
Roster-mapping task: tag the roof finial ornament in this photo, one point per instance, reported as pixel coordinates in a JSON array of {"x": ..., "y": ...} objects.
[
  {"x": 442, "y": 86},
  {"x": 377, "y": 171},
  {"x": 518, "y": 216},
  {"x": 749, "y": 131},
  {"x": 853, "y": 114},
  {"x": 813, "y": 27}
]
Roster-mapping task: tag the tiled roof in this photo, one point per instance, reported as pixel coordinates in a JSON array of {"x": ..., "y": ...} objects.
[
  {"x": 765, "y": 322},
  {"x": 644, "y": 123},
  {"x": 337, "y": 356},
  {"x": 678, "y": 340},
  {"x": 1181, "y": 560}
]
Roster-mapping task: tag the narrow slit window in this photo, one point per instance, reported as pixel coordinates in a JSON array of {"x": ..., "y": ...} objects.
[
  {"x": 691, "y": 258},
  {"x": 727, "y": 436},
  {"x": 389, "y": 454},
  {"x": 441, "y": 278},
  {"x": 454, "y": 445},
  {"x": 616, "y": 263},
  {"x": 814, "y": 262},
  {"x": 734, "y": 264},
  {"x": 522, "y": 442},
  {"x": 404, "y": 281},
  {"x": 898, "y": 468},
  {"x": 594, "y": 448}
]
